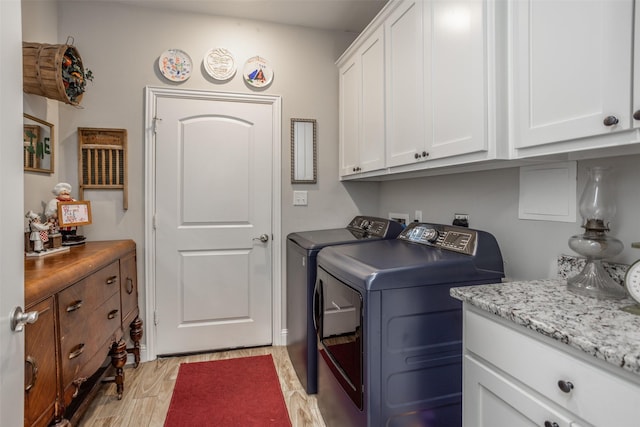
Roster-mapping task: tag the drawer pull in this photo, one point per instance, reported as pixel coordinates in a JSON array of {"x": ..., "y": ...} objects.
[
  {"x": 112, "y": 314},
  {"x": 34, "y": 372},
  {"x": 550, "y": 424},
  {"x": 129, "y": 285},
  {"x": 111, "y": 280},
  {"x": 610, "y": 121},
  {"x": 77, "y": 351},
  {"x": 565, "y": 386},
  {"x": 74, "y": 306}
]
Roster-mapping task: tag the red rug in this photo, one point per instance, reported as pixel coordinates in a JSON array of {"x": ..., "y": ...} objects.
[{"x": 228, "y": 393}]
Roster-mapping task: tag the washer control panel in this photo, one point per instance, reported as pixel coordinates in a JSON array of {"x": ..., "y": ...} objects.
[
  {"x": 370, "y": 226},
  {"x": 452, "y": 238}
]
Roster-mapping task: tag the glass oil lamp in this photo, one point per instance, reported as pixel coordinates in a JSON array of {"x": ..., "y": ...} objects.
[{"x": 597, "y": 208}]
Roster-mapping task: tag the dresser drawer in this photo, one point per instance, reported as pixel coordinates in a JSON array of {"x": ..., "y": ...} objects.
[
  {"x": 596, "y": 393},
  {"x": 93, "y": 334},
  {"x": 86, "y": 295}
]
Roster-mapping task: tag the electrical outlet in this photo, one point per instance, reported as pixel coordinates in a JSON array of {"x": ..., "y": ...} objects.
[{"x": 461, "y": 220}]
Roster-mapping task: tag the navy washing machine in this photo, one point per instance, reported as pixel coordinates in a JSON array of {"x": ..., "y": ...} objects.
[
  {"x": 389, "y": 334},
  {"x": 302, "y": 250}
]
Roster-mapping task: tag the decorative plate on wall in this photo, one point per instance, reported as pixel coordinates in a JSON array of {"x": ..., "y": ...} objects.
[
  {"x": 258, "y": 72},
  {"x": 220, "y": 63},
  {"x": 175, "y": 65}
]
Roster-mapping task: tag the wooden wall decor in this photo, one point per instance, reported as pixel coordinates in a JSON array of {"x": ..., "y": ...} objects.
[{"x": 102, "y": 161}]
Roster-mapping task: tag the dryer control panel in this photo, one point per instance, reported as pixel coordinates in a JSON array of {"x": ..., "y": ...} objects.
[{"x": 452, "y": 238}]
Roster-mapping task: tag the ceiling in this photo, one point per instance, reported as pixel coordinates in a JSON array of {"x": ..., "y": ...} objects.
[{"x": 335, "y": 15}]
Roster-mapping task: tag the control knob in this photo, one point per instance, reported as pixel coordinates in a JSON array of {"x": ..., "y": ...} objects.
[{"x": 431, "y": 235}]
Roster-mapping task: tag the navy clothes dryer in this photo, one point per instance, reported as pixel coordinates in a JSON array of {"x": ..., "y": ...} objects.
[
  {"x": 302, "y": 250},
  {"x": 389, "y": 334}
]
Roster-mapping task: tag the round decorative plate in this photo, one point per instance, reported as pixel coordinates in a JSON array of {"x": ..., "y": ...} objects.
[
  {"x": 220, "y": 64},
  {"x": 258, "y": 72},
  {"x": 175, "y": 65}
]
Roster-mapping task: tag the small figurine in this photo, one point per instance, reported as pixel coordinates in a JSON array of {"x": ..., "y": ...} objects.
[
  {"x": 39, "y": 231},
  {"x": 62, "y": 191}
]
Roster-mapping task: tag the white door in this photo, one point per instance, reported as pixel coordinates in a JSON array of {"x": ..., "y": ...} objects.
[
  {"x": 213, "y": 223},
  {"x": 11, "y": 221}
]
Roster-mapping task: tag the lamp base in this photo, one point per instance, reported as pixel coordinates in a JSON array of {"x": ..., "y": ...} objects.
[{"x": 594, "y": 281}]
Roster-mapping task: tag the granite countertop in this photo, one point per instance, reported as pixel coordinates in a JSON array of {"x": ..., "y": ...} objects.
[{"x": 596, "y": 327}]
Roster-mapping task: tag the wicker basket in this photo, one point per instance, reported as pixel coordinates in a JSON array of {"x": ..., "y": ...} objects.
[{"x": 42, "y": 70}]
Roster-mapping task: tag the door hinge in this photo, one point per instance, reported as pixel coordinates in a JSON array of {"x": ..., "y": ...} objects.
[
  {"x": 155, "y": 318},
  {"x": 155, "y": 124},
  {"x": 154, "y": 222}
]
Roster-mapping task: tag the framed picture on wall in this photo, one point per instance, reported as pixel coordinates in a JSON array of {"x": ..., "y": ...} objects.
[{"x": 74, "y": 214}]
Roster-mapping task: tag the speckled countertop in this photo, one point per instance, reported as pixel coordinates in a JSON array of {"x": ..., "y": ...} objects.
[{"x": 597, "y": 327}]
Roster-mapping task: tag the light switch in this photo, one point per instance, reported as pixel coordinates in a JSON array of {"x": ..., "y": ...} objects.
[{"x": 299, "y": 198}]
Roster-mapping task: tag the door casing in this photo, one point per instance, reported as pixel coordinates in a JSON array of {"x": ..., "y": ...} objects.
[{"x": 152, "y": 93}]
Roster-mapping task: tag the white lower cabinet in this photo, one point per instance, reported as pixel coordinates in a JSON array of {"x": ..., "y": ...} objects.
[{"x": 515, "y": 377}]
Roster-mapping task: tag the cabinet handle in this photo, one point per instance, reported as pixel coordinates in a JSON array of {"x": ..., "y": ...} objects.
[
  {"x": 74, "y": 306},
  {"x": 636, "y": 115},
  {"x": 425, "y": 154},
  {"x": 417, "y": 156},
  {"x": 550, "y": 424},
  {"x": 112, "y": 314},
  {"x": 111, "y": 280},
  {"x": 129, "y": 285},
  {"x": 34, "y": 372},
  {"x": 76, "y": 351},
  {"x": 565, "y": 386},
  {"x": 610, "y": 121}
]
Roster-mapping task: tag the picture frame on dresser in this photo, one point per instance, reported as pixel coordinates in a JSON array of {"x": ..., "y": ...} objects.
[{"x": 74, "y": 214}]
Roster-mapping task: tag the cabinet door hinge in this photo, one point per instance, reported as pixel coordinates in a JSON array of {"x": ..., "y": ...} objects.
[
  {"x": 154, "y": 221},
  {"x": 155, "y": 317}
]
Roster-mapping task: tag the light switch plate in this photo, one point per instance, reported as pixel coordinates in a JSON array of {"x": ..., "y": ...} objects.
[{"x": 299, "y": 198}]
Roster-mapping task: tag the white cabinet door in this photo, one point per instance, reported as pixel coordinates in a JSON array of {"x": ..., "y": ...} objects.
[
  {"x": 494, "y": 400},
  {"x": 362, "y": 113},
  {"x": 349, "y": 116},
  {"x": 636, "y": 68},
  {"x": 570, "y": 69},
  {"x": 405, "y": 76},
  {"x": 455, "y": 76},
  {"x": 371, "y": 147}
]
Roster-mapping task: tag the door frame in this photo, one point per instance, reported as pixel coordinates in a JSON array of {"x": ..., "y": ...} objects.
[{"x": 152, "y": 93}]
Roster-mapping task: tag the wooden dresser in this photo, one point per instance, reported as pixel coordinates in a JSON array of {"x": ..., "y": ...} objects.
[{"x": 87, "y": 299}]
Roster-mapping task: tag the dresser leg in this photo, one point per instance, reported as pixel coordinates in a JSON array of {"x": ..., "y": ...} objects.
[
  {"x": 135, "y": 332},
  {"x": 118, "y": 360}
]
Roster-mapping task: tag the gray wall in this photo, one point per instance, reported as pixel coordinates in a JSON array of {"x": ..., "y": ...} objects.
[
  {"x": 121, "y": 45},
  {"x": 529, "y": 248}
]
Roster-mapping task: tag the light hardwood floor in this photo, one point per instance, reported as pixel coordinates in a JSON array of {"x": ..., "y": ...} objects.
[{"x": 148, "y": 389}]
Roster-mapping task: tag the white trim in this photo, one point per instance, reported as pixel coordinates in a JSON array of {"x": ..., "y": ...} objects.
[{"x": 151, "y": 94}]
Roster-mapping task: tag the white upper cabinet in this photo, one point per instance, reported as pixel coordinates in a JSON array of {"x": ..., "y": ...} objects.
[
  {"x": 405, "y": 81},
  {"x": 362, "y": 115},
  {"x": 437, "y": 80},
  {"x": 636, "y": 69},
  {"x": 570, "y": 73},
  {"x": 456, "y": 81}
]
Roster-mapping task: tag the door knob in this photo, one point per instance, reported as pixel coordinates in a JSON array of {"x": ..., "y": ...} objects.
[
  {"x": 19, "y": 318},
  {"x": 264, "y": 238}
]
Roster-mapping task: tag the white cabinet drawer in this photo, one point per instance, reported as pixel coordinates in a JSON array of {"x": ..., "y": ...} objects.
[
  {"x": 493, "y": 400},
  {"x": 598, "y": 396}
]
